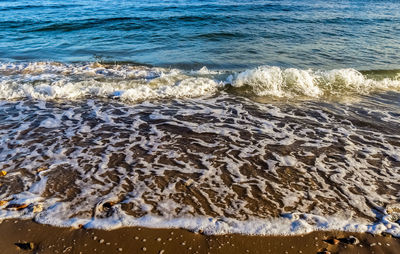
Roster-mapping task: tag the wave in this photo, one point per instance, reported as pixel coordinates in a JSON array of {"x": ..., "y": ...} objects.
[
  {"x": 292, "y": 83},
  {"x": 47, "y": 81},
  {"x": 132, "y": 83}
]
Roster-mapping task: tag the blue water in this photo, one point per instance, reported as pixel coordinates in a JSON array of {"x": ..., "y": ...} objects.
[{"x": 219, "y": 34}]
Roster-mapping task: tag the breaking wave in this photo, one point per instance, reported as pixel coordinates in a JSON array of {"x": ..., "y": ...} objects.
[{"x": 132, "y": 83}]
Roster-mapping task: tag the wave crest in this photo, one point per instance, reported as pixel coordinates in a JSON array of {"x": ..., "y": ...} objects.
[
  {"x": 50, "y": 80},
  {"x": 292, "y": 83}
]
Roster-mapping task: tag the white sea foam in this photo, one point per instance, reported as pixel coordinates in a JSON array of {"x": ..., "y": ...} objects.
[
  {"x": 217, "y": 164},
  {"x": 292, "y": 83},
  {"x": 47, "y": 80}
]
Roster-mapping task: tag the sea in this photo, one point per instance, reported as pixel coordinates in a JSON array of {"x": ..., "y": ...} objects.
[{"x": 249, "y": 117}]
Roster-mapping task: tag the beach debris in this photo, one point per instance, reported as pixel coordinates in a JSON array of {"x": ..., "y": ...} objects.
[
  {"x": 67, "y": 249},
  {"x": 108, "y": 205},
  {"x": 3, "y": 202},
  {"x": 346, "y": 240},
  {"x": 3, "y": 173},
  {"x": 385, "y": 234},
  {"x": 37, "y": 208},
  {"x": 80, "y": 226},
  {"x": 25, "y": 245},
  {"x": 17, "y": 207},
  {"x": 352, "y": 240},
  {"x": 393, "y": 208},
  {"x": 333, "y": 241},
  {"x": 40, "y": 169},
  {"x": 189, "y": 182}
]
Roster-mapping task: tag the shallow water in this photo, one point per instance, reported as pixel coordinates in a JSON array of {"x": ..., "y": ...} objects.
[
  {"x": 293, "y": 126},
  {"x": 219, "y": 34}
]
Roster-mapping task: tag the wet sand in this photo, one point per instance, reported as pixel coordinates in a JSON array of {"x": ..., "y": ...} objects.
[{"x": 16, "y": 236}]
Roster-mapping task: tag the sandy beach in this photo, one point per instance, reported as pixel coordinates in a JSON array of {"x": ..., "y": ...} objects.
[{"x": 26, "y": 236}]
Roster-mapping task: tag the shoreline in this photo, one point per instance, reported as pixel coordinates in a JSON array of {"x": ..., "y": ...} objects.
[{"x": 38, "y": 238}]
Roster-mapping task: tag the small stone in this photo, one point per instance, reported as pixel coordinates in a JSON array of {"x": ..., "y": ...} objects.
[
  {"x": 159, "y": 239},
  {"x": 101, "y": 241},
  {"x": 37, "y": 208},
  {"x": 17, "y": 206},
  {"x": 95, "y": 238},
  {"x": 136, "y": 238},
  {"x": 144, "y": 249},
  {"x": 189, "y": 182},
  {"x": 108, "y": 243},
  {"x": 353, "y": 240},
  {"x": 161, "y": 251},
  {"x": 120, "y": 249},
  {"x": 41, "y": 169},
  {"x": 25, "y": 246},
  {"x": 67, "y": 249},
  {"x": 372, "y": 244}
]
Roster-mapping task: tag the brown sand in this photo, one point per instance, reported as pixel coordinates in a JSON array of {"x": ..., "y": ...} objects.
[{"x": 47, "y": 239}]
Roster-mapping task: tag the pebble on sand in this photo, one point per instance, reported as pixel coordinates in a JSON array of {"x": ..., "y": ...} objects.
[{"x": 26, "y": 246}]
